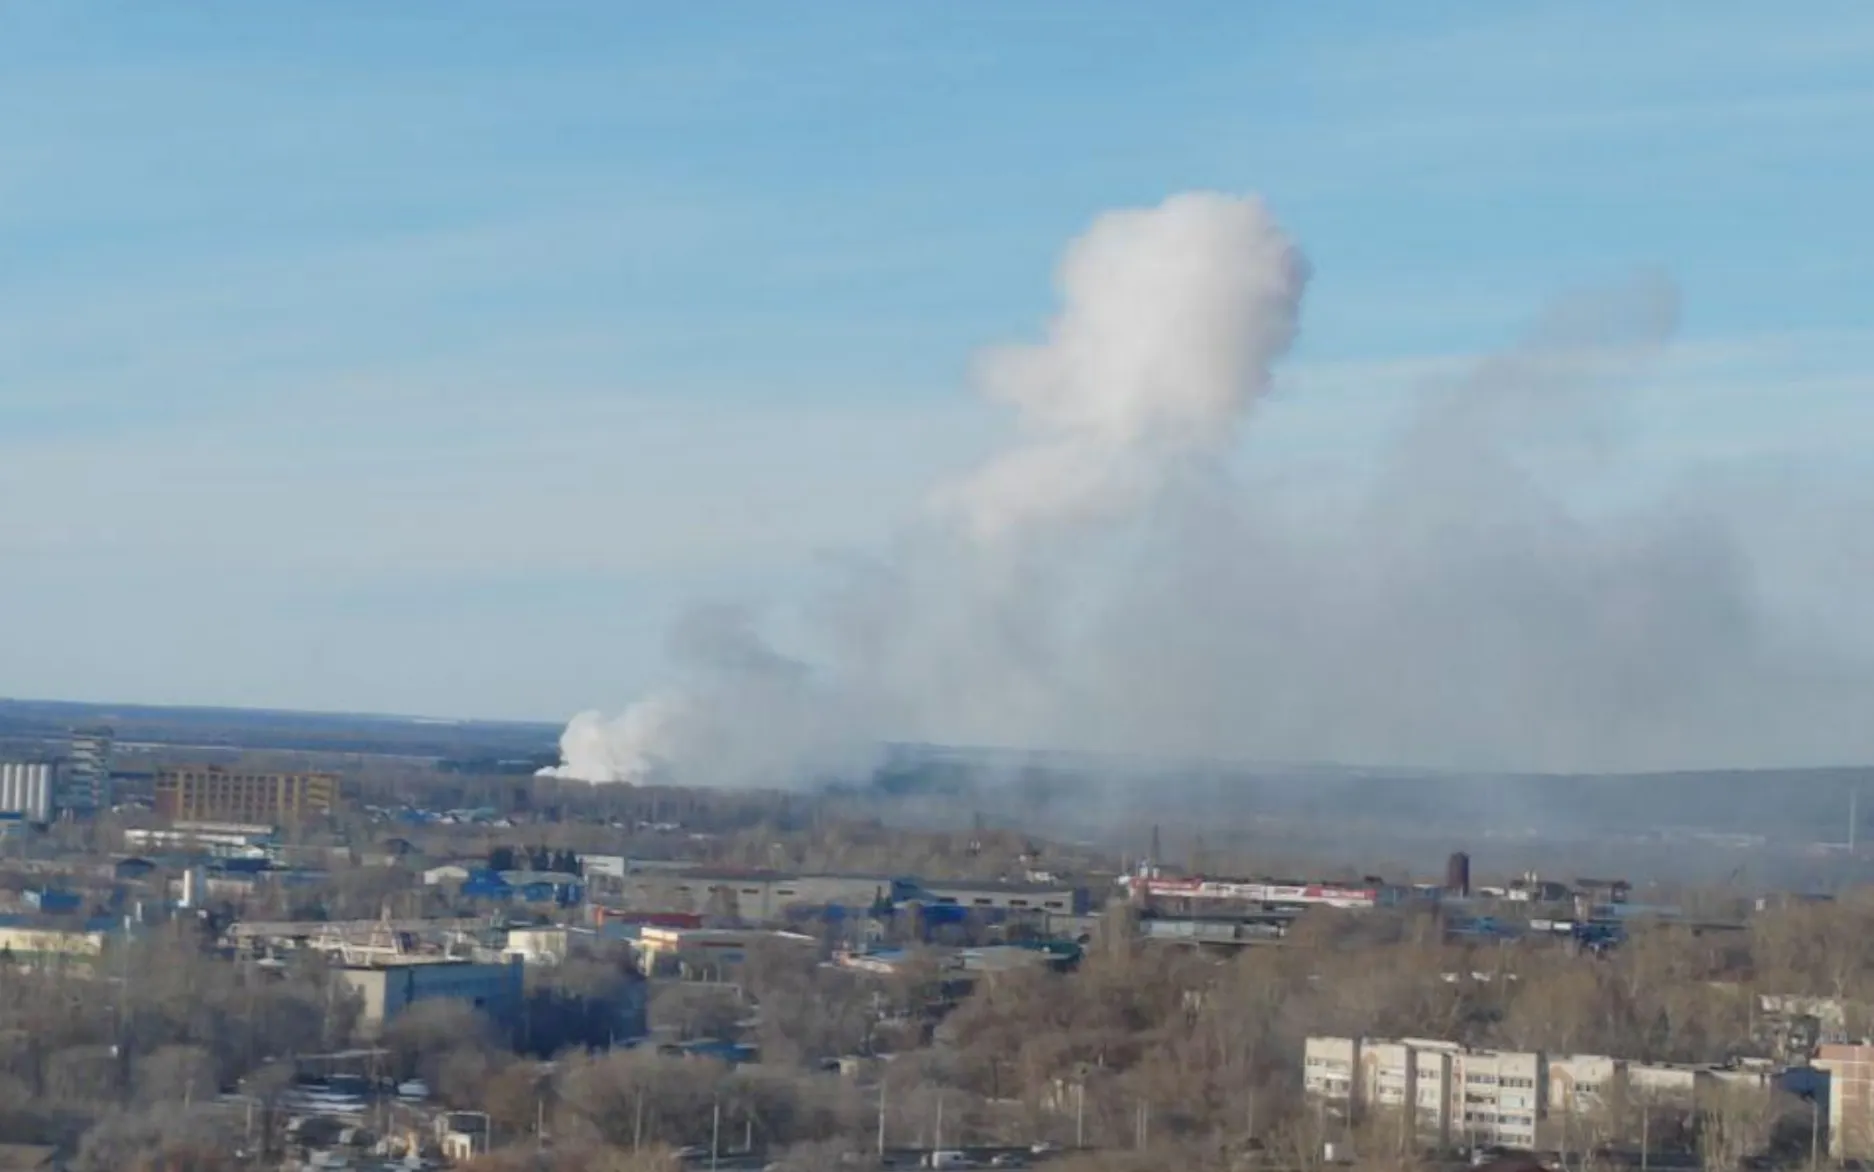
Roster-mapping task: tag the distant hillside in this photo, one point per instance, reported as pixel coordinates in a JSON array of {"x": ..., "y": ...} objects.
[{"x": 48, "y": 723}]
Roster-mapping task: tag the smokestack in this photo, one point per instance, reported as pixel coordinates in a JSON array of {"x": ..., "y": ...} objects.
[{"x": 1458, "y": 875}]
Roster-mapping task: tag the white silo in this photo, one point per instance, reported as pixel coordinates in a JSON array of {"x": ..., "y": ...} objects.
[{"x": 26, "y": 790}]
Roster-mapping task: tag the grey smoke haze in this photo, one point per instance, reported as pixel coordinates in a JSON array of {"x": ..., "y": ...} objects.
[{"x": 1111, "y": 581}]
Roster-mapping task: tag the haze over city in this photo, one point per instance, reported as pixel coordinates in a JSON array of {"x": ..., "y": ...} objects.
[{"x": 624, "y": 362}]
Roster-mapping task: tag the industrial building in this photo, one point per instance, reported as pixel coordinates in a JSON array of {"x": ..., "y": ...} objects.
[
  {"x": 227, "y": 840},
  {"x": 214, "y": 792},
  {"x": 765, "y": 896},
  {"x": 1054, "y": 898},
  {"x": 84, "y": 782},
  {"x": 26, "y": 789},
  {"x": 701, "y": 949},
  {"x": 1150, "y": 885},
  {"x": 389, "y": 986},
  {"x": 22, "y": 939}
]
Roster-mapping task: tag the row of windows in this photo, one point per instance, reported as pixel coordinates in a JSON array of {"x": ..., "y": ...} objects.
[{"x": 1507, "y": 1119}]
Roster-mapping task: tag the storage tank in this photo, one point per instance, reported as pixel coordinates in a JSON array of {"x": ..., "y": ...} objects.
[{"x": 26, "y": 790}]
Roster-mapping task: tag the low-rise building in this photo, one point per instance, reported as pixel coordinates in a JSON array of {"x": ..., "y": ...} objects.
[
  {"x": 708, "y": 947},
  {"x": 229, "y": 840},
  {"x": 390, "y": 987},
  {"x": 1850, "y": 1068},
  {"x": 539, "y": 945},
  {"x": 446, "y": 873},
  {"x": 23, "y": 938}
]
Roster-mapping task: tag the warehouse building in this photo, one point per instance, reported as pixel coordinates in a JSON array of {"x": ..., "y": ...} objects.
[{"x": 390, "y": 987}]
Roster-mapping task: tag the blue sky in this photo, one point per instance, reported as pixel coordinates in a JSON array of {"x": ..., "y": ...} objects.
[{"x": 427, "y": 358}]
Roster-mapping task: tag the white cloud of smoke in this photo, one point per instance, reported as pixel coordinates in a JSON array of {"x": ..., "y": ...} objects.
[{"x": 1103, "y": 582}]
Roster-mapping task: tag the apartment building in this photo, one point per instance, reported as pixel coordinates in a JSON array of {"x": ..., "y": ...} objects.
[
  {"x": 1531, "y": 1100},
  {"x": 211, "y": 792},
  {"x": 1454, "y": 1094},
  {"x": 1498, "y": 1096},
  {"x": 1412, "y": 1078},
  {"x": 1580, "y": 1084},
  {"x": 1329, "y": 1068}
]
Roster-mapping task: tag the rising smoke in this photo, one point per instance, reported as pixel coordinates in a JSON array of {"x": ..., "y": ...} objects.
[{"x": 1107, "y": 582}]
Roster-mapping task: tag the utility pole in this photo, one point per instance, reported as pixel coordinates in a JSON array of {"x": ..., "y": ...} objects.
[
  {"x": 637, "y": 1123},
  {"x": 938, "y": 1142},
  {"x": 1080, "y": 1115},
  {"x": 881, "y": 1118},
  {"x": 1646, "y": 1127},
  {"x": 715, "y": 1132},
  {"x": 1815, "y": 1132}
]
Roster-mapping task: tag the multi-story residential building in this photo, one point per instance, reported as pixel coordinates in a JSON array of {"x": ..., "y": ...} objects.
[
  {"x": 1453, "y": 1094},
  {"x": 1412, "y": 1079},
  {"x": 1530, "y": 1100},
  {"x": 210, "y": 792},
  {"x": 1580, "y": 1084},
  {"x": 85, "y": 780},
  {"x": 1329, "y": 1067},
  {"x": 1497, "y": 1096}
]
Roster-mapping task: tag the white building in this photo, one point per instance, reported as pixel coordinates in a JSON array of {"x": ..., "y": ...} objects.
[
  {"x": 1328, "y": 1068},
  {"x": 543, "y": 945},
  {"x": 1497, "y": 1096},
  {"x": 26, "y": 790},
  {"x": 1454, "y": 1094},
  {"x": 1582, "y": 1083}
]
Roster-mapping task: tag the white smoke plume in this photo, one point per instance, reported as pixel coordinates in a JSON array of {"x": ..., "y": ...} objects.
[
  {"x": 1171, "y": 318},
  {"x": 1105, "y": 581}
]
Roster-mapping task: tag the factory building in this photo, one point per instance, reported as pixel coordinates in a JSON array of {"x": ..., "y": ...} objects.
[
  {"x": 1197, "y": 890},
  {"x": 26, "y": 790},
  {"x": 708, "y": 949},
  {"x": 84, "y": 784},
  {"x": 210, "y": 792},
  {"x": 388, "y": 987}
]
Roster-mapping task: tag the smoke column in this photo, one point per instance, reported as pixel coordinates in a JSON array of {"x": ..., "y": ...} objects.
[
  {"x": 1112, "y": 579},
  {"x": 1170, "y": 320}
]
